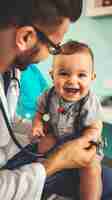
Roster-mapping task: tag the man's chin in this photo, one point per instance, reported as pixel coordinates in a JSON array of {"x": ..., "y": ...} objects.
[
  {"x": 24, "y": 66},
  {"x": 23, "y": 62},
  {"x": 25, "y": 59}
]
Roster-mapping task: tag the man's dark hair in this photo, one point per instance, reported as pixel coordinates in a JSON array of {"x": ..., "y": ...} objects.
[{"x": 43, "y": 12}]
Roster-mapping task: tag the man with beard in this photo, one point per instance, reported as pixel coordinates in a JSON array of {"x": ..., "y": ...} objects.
[{"x": 29, "y": 31}]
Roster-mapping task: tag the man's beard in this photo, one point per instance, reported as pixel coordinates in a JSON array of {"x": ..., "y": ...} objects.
[{"x": 24, "y": 59}]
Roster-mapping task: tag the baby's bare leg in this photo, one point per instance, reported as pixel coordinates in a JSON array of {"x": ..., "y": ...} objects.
[
  {"x": 90, "y": 182},
  {"x": 46, "y": 143}
]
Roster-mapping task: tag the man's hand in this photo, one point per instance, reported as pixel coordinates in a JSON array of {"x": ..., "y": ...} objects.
[{"x": 73, "y": 154}]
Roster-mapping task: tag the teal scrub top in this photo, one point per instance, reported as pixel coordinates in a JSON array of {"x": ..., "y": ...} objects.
[{"x": 32, "y": 85}]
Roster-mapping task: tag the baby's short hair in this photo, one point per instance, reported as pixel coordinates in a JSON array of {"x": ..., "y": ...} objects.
[{"x": 72, "y": 47}]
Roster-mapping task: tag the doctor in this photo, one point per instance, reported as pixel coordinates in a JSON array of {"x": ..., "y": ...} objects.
[{"x": 29, "y": 30}]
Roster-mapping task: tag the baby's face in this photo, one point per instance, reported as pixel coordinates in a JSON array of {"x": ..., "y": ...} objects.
[{"x": 72, "y": 75}]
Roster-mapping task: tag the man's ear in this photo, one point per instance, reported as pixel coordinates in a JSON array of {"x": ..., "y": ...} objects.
[
  {"x": 25, "y": 38},
  {"x": 51, "y": 73},
  {"x": 93, "y": 76}
]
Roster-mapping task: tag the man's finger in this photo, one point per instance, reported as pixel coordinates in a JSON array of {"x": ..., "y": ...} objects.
[{"x": 88, "y": 141}]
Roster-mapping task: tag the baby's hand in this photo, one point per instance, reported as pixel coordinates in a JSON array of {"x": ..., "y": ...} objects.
[{"x": 37, "y": 131}]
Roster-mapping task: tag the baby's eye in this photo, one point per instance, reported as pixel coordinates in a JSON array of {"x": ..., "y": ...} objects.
[
  {"x": 82, "y": 75},
  {"x": 63, "y": 73}
]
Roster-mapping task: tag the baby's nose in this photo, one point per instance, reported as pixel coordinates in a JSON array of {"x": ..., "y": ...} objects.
[{"x": 73, "y": 79}]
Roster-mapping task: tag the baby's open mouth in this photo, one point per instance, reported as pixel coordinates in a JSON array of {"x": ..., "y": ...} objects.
[{"x": 71, "y": 90}]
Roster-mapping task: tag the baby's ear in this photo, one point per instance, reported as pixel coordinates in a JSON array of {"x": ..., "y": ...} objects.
[
  {"x": 93, "y": 76},
  {"x": 51, "y": 73}
]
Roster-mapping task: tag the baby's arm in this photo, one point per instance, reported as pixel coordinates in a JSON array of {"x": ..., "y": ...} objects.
[
  {"x": 37, "y": 123},
  {"x": 90, "y": 177},
  {"x": 37, "y": 126},
  {"x": 46, "y": 142}
]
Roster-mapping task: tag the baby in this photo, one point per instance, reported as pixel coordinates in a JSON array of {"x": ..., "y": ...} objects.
[{"x": 70, "y": 109}]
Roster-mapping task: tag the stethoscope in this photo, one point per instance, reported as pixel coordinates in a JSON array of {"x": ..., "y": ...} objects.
[
  {"x": 14, "y": 79},
  {"x": 15, "y": 83}
]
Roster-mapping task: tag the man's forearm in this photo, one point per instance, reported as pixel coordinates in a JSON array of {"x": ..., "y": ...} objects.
[
  {"x": 63, "y": 157},
  {"x": 52, "y": 164}
]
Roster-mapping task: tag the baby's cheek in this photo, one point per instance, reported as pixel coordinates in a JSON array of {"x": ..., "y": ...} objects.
[
  {"x": 58, "y": 87},
  {"x": 85, "y": 87},
  {"x": 57, "y": 84}
]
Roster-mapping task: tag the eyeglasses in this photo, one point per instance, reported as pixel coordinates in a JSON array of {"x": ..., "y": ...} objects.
[{"x": 54, "y": 49}]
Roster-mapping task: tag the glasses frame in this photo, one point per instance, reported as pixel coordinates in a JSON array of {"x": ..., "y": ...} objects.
[{"x": 54, "y": 49}]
